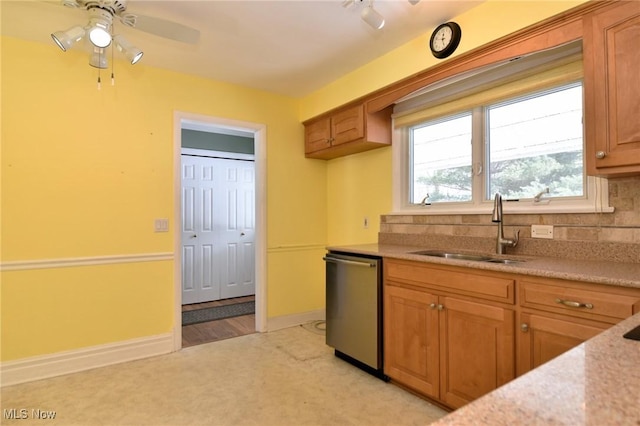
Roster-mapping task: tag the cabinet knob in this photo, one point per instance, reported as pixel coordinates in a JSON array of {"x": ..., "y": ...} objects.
[
  {"x": 524, "y": 327},
  {"x": 600, "y": 155},
  {"x": 440, "y": 307},
  {"x": 432, "y": 306}
]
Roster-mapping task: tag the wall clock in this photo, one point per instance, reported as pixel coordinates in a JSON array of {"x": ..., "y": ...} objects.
[{"x": 445, "y": 39}]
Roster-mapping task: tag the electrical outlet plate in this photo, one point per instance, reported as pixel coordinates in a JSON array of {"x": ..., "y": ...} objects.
[
  {"x": 542, "y": 231},
  {"x": 161, "y": 225}
]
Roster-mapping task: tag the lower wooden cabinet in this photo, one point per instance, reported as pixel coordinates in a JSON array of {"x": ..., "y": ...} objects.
[
  {"x": 450, "y": 333},
  {"x": 558, "y": 315},
  {"x": 445, "y": 347},
  {"x": 543, "y": 338},
  {"x": 476, "y": 349},
  {"x": 411, "y": 336}
]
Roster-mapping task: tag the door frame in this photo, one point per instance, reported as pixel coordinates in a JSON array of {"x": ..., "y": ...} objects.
[{"x": 260, "y": 145}]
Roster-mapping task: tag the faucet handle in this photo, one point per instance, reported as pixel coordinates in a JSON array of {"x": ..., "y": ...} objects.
[{"x": 514, "y": 242}]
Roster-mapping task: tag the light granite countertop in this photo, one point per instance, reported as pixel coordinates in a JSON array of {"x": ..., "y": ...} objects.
[
  {"x": 598, "y": 272},
  {"x": 596, "y": 383}
]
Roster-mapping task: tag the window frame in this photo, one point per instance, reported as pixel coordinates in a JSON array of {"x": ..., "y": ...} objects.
[{"x": 594, "y": 200}]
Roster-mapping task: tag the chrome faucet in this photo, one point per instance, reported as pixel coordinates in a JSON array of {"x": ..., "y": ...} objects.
[{"x": 501, "y": 242}]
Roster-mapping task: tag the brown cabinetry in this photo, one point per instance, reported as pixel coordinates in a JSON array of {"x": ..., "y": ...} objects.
[
  {"x": 559, "y": 315},
  {"x": 346, "y": 132},
  {"x": 612, "y": 89},
  {"x": 544, "y": 337},
  {"x": 442, "y": 343},
  {"x": 454, "y": 334}
]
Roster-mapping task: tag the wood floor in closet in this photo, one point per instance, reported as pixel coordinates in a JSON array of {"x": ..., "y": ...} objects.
[{"x": 211, "y": 331}]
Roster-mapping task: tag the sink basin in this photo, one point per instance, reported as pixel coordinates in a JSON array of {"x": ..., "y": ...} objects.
[
  {"x": 466, "y": 256},
  {"x": 458, "y": 256},
  {"x": 504, "y": 261}
]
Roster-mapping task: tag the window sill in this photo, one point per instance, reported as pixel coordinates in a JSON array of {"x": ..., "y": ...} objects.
[{"x": 508, "y": 208}]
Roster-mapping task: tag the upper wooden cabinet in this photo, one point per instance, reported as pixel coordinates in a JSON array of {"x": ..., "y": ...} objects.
[
  {"x": 612, "y": 89},
  {"x": 346, "y": 132}
]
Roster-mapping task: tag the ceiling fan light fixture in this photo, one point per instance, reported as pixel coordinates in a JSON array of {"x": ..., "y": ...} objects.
[
  {"x": 131, "y": 52},
  {"x": 98, "y": 59},
  {"x": 99, "y": 34},
  {"x": 66, "y": 39},
  {"x": 99, "y": 28},
  {"x": 372, "y": 17}
]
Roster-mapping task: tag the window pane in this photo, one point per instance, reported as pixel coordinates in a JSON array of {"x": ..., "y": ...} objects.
[
  {"x": 536, "y": 143},
  {"x": 441, "y": 160}
]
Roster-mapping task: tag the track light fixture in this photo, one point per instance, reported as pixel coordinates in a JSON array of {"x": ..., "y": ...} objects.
[
  {"x": 371, "y": 17},
  {"x": 368, "y": 14}
]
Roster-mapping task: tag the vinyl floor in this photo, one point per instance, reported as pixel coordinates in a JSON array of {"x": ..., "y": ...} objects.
[{"x": 280, "y": 378}]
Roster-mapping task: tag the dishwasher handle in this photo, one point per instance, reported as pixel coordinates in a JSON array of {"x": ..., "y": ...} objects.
[{"x": 349, "y": 262}]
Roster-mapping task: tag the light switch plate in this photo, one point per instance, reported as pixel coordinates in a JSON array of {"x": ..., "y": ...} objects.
[{"x": 542, "y": 231}]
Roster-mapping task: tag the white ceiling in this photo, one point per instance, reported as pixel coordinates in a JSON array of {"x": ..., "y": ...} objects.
[{"x": 283, "y": 46}]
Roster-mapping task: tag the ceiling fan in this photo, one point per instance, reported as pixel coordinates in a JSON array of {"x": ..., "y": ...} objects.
[{"x": 99, "y": 30}]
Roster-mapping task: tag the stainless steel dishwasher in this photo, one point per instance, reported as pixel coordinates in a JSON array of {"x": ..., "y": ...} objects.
[{"x": 354, "y": 309}]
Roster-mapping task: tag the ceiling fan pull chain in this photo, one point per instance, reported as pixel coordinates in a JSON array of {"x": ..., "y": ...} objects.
[
  {"x": 100, "y": 60},
  {"x": 113, "y": 64}
]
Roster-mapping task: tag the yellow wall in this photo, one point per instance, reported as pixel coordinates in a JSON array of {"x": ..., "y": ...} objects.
[
  {"x": 347, "y": 203},
  {"x": 86, "y": 172}
]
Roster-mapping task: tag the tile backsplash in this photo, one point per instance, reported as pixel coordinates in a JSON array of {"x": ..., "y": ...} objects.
[{"x": 585, "y": 236}]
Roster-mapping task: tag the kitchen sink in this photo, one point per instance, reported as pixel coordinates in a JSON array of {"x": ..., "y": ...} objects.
[
  {"x": 465, "y": 256},
  {"x": 458, "y": 256},
  {"x": 504, "y": 261}
]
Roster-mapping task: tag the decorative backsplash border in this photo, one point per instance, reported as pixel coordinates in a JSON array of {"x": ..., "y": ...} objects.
[{"x": 601, "y": 236}]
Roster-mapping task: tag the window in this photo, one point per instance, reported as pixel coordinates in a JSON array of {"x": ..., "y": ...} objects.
[
  {"x": 536, "y": 143},
  {"x": 441, "y": 158},
  {"x": 520, "y": 135}
]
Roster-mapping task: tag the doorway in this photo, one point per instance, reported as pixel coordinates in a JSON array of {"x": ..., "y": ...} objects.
[
  {"x": 218, "y": 225},
  {"x": 257, "y": 207}
]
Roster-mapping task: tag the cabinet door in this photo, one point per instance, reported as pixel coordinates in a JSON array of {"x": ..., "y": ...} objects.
[
  {"x": 348, "y": 125},
  {"x": 612, "y": 89},
  {"x": 411, "y": 339},
  {"x": 477, "y": 350},
  {"x": 543, "y": 338},
  {"x": 317, "y": 135}
]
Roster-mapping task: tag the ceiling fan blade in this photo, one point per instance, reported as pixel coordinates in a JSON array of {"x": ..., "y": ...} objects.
[{"x": 164, "y": 28}]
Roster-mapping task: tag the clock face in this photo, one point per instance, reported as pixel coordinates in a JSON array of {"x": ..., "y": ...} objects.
[
  {"x": 445, "y": 39},
  {"x": 441, "y": 39}
]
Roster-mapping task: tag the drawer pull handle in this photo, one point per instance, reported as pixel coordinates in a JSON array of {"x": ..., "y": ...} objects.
[{"x": 572, "y": 304}]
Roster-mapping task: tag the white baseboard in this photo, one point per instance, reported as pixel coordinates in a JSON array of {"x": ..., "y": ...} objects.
[
  {"x": 41, "y": 367},
  {"x": 45, "y": 366},
  {"x": 286, "y": 321}
]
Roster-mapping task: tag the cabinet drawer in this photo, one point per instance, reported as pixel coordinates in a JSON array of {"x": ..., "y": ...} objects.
[
  {"x": 458, "y": 281},
  {"x": 578, "y": 301}
]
